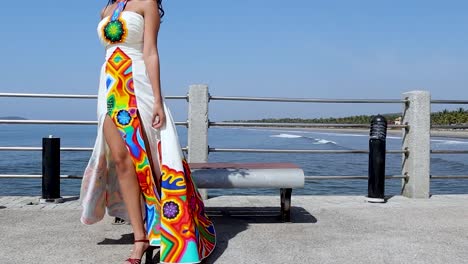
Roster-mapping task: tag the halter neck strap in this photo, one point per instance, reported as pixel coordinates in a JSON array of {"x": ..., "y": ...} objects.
[{"x": 118, "y": 10}]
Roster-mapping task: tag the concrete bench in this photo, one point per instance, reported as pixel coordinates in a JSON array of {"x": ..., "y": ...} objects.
[{"x": 284, "y": 176}]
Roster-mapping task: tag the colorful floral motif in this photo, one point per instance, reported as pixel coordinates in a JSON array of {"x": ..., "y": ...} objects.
[
  {"x": 124, "y": 117},
  {"x": 187, "y": 236},
  {"x": 170, "y": 210},
  {"x": 114, "y": 31}
]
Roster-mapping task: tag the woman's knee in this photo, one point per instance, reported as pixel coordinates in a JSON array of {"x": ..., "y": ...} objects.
[{"x": 122, "y": 161}]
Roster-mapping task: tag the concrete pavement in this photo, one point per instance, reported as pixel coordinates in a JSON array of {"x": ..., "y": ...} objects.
[{"x": 325, "y": 229}]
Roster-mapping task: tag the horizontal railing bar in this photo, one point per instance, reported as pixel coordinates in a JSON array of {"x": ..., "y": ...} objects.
[
  {"x": 20, "y": 148},
  {"x": 61, "y": 122},
  {"x": 307, "y": 100},
  {"x": 75, "y": 149},
  {"x": 449, "y": 176},
  {"x": 40, "y": 149},
  {"x": 64, "y": 96},
  {"x": 448, "y": 151},
  {"x": 330, "y": 177},
  {"x": 450, "y": 126},
  {"x": 47, "y": 122},
  {"x": 261, "y": 124},
  {"x": 35, "y": 176},
  {"x": 340, "y": 177},
  {"x": 449, "y": 102},
  {"x": 61, "y": 149},
  {"x": 237, "y": 98},
  {"x": 300, "y": 151},
  {"x": 71, "y": 96},
  {"x": 307, "y": 178},
  {"x": 221, "y": 124},
  {"x": 225, "y": 150}
]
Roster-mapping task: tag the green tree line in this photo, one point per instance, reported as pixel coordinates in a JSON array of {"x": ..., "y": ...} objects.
[{"x": 445, "y": 117}]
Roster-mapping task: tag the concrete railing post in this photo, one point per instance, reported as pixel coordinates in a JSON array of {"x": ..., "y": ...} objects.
[
  {"x": 416, "y": 139},
  {"x": 198, "y": 126}
]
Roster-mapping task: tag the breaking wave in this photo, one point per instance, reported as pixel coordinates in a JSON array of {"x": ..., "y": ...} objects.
[{"x": 316, "y": 141}]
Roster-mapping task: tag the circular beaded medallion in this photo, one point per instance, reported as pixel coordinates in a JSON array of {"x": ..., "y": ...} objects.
[{"x": 115, "y": 31}]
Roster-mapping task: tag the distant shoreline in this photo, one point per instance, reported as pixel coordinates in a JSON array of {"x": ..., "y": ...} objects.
[
  {"x": 434, "y": 132},
  {"x": 12, "y": 118}
]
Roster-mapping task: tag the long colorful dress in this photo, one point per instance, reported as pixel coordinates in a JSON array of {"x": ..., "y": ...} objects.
[{"x": 175, "y": 220}]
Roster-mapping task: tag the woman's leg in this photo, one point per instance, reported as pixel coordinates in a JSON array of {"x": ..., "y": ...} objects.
[{"x": 128, "y": 183}]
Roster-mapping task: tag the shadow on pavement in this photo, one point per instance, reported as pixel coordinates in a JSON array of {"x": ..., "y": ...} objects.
[
  {"x": 126, "y": 239},
  {"x": 388, "y": 197},
  {"x": 230, "y": 221},
  {"x": 69, "y": 199}
]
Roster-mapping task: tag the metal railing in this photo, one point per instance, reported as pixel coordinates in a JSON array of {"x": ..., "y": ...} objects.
[
  {"x": 307, "y": 178},
  {"x": 310, "y": 151},
  {"x": 308, "y": 100},
  {"x": 458, "y": 102},
  {"x": 446, "y": 151},
  {"x": 292, "y": 125},
  {"x": 60, "y": 122},
  {"x": 69, "y": 96},
  {"x": 416, "y": 122},
  {"x": 306, "y": 125}
]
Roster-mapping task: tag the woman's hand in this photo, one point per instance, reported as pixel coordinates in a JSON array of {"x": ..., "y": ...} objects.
[{"x": 159, "y": 117}]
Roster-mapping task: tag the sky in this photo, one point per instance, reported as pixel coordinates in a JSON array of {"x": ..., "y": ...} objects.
[{"x": 300, "y": 48}]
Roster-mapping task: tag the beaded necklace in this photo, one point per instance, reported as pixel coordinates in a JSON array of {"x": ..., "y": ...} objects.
[{"x": 115, "y": 31}]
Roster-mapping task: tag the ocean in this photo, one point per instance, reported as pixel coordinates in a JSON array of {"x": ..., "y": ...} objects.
[{"x": 73, "y": 163}]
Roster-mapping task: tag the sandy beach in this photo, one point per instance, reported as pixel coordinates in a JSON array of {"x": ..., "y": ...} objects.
[{"x": 434, "y": 132}]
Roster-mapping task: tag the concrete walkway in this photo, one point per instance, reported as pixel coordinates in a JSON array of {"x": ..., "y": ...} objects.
[{"x": 325, "y": 229}]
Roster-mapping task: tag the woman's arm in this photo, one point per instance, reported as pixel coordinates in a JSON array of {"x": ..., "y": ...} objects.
[{"x": 151, "y": 58}]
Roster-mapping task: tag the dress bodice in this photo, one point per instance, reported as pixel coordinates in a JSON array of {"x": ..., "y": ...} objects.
[{"x": 126, "y": 31}]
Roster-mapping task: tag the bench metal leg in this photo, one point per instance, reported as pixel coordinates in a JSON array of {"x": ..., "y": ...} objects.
[{"x": 286, "y": 204}]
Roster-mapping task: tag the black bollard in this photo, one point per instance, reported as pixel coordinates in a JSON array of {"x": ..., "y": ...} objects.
[
  {"x": 377, "y": 148},
  {"x": 51, "y": 170}
]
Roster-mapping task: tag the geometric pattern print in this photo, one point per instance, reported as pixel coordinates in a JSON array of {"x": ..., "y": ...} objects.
[
  {"x": 206, "y": 237},
  {"x": 122, "y": 108},
  {"x": 176, "y": 221},
  {"x": 187, "y": 235}
]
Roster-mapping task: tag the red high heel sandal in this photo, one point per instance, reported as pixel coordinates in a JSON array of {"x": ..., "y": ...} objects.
[{"x": 148, "y": 252}]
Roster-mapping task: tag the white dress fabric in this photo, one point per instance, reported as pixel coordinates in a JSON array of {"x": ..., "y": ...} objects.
[{"x": 175, "y": 218}]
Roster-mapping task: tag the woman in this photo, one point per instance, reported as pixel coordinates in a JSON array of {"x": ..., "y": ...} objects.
[{"x": 137, "y": 170}]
